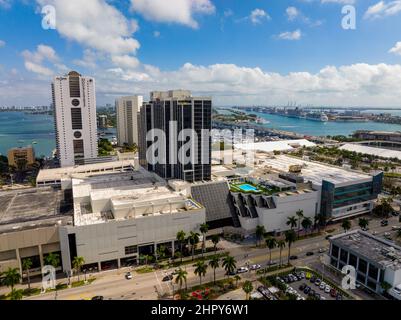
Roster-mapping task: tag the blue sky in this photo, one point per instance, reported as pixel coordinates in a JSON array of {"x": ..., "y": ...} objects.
[{"x": 240, "y": 52}]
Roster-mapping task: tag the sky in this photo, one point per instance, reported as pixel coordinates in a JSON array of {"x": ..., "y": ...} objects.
[{"x": 240, "y": 52}]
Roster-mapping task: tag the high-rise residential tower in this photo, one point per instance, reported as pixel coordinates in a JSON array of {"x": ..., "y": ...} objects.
[
  {"x": 127, "y": 110},
  {"x": 185, "y": 112},
  {"x": 74, "y": 103}
]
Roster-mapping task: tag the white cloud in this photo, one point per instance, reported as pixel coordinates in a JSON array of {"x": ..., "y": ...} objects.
[
  {"x": 290, "y": 35},
  {"x": 2, "y": 43},
  {"x": 88, "y": 60},
  {"x": 5, "y": 4},
  {"x": 383, "y": 9},
  {"x": 125, "y": 61},
  {"x": 258, "y": 15},
  {"x": 396, "y": 49},
  {"x": 173, "y": 11},
  {"x": 33, "y": 61},
  {"x": 96, "y": 25},
  {"x": 156, "y": 34}
]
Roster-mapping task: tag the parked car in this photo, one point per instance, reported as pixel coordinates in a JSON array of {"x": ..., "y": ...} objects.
[
  {"x": 395, "y": 213},
  {"x": 309, "y": 253},
  {"x": 293, "y": 257},
  {"x": 322, "y": 285},
  {"x": 169, "y": 277},
  {"x": 255, "y": 267},
  {"x": 321, "y": 250},
  {"x": 333, "y": 293},
  {"x": 327, "y": 289},
  {"x": 311, "y": 293},
  {"x": 339, "y": 296},
  {"x": 384, "y": 223},
  {"x": 317, "y": 296},
  {"x": 318, "y": 282},
  {"x": 313, "y": 279},
  {"x": 302, "y": 287},
  {"x": 387, "y": 235},
  {"x": 242, "y": 270},
  {"x": 396, "y": 227},
  {"x": 307, "y": 289},
  {"x": 128, "y": 276},
  {"x": 98, "y": 298}
]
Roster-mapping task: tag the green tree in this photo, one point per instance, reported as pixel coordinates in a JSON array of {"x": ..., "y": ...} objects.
[
  {"x": 292, "y": 222},
  {"x": 214, "y": 263},
  {"x": 181, "y": 278},
  {"x": 306, "y": 223},
  {"x": 52, "y": 259},
  {"x": 16, "y": 294},
  {"x": 346, "y": 225},
  {"x": 26, "y": 266},
  {"x": 204, "y": 228},
  {"x": 385, "y": 286},
  {"x": 237, "y": 278},
  {"x": 290, "y": 238},
  {"x": 11, "y": 277},
  {"x": 260, "y": 231},
  {"x": 200, "y": 270},
  {"x": 77, "y": 264},
  {"x": 215, "y": 241},
  {"x": 247, "y": 287},
  {"x": 229, "y": 264},
  {"x": 281, "y": 246},
  {"x": 181, "y": 239},
  {"x": 363, "y": 223},
  {"x": 193, "y": 239},
  {"x": 300, "y": 215},
  {"x": 271, "y": 243}
]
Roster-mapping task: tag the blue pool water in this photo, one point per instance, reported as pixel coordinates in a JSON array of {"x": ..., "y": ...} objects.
[{"x": 247, "y": 187}]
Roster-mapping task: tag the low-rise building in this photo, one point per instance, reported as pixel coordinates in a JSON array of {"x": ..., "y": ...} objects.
[
  {"x": 375, "y": 260},
  {"x": 21, "y": 157}
]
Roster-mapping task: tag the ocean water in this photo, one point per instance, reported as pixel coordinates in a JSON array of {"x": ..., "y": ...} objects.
[
  {"x": 317, "y": 128},
  {"x": 18, "y": 129}
]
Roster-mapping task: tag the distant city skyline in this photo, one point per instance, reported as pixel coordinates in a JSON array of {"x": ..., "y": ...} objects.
[{"x": 240, "y": 52}]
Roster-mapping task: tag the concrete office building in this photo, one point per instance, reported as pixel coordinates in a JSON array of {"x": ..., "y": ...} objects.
[
  {"x": 187, "y": 112},
  {"x": 74, "y": 101},
  {"x": 21, "y": 157},
  {"x": 127, "y": 111},
  {"x": 375, "y": 260},
  {"x": 102, "y": 121}
]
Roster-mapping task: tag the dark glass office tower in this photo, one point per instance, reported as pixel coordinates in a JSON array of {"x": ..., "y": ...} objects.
[{"x": 186, "y": 112}]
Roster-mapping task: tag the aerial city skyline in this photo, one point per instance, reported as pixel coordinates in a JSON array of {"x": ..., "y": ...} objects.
[{"x": 189, "y": 151}]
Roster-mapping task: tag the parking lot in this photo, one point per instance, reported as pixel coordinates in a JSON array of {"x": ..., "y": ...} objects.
[{"x": 305, "y": 285}]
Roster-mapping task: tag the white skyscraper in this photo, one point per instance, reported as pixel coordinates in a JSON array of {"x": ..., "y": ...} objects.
[
  {"x": 74, "y": 103},
  {"x": 127, "y": 110}
]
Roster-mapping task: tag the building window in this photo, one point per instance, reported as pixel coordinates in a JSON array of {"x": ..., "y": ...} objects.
[
  {"x": 352, "y": 260},
  {"x": 131, "y": 250},
  {"x": 373, "y": 271},
  {"x": 334, "y": 251},
  {"x": 76, "y": 118},
  {"x": 344, "y": 256},
  {"x": 362, "y": 266}
]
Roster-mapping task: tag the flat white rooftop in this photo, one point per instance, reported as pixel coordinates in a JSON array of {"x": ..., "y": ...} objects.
[
  {"x": 379, "y": 152},
  {"x": 315, "y": 172},
  {"x": 271, "y": 146},
  {"x": 66, "y": 172}
]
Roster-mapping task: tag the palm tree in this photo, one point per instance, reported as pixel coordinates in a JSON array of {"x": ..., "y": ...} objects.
[
  {"x": 290, "y": 238},
  {"x": 16, "y": 294},
  {"x": 161, "y": 252},
  {"x": 363, "y": 223},
  {"x": 215, "y": 241},
  {"x": 260, "y": 231},
  {"x": 52, "y": 259},
  {"x": 181, "y": 238},
  {"x": 77, "y": 264},
  {"x": 271, "y": 243},
  {"x": 237, "y": 278},
  {"x": 11, "y": 277},
  {"x": 193, "y": 239},
  {"x": 346, "y": 225},
  {"x": 204, "y": 228},
  {"x": 306, "y": 223},
  {"x": 214, "y": 263},
  {"x": 200, "y": 270},
  {"x": 247, "y": 287},
  {"x": 27, "y": 265},
  {"x": 181, "y": 277},
  {"x": 229, "y": 264},
  {"x": 292, "y": 222},
  {"x": 281, "y": 245},
  {"x": 300, "y": 215}
]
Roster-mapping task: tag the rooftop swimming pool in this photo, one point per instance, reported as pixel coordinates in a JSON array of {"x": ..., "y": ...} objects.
[{"x": 247, "y": 187}]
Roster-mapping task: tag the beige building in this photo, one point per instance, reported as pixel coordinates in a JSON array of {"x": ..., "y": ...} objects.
[
  {"x": 127, "y": 110},
  {"x": 21, "y": 157}
]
